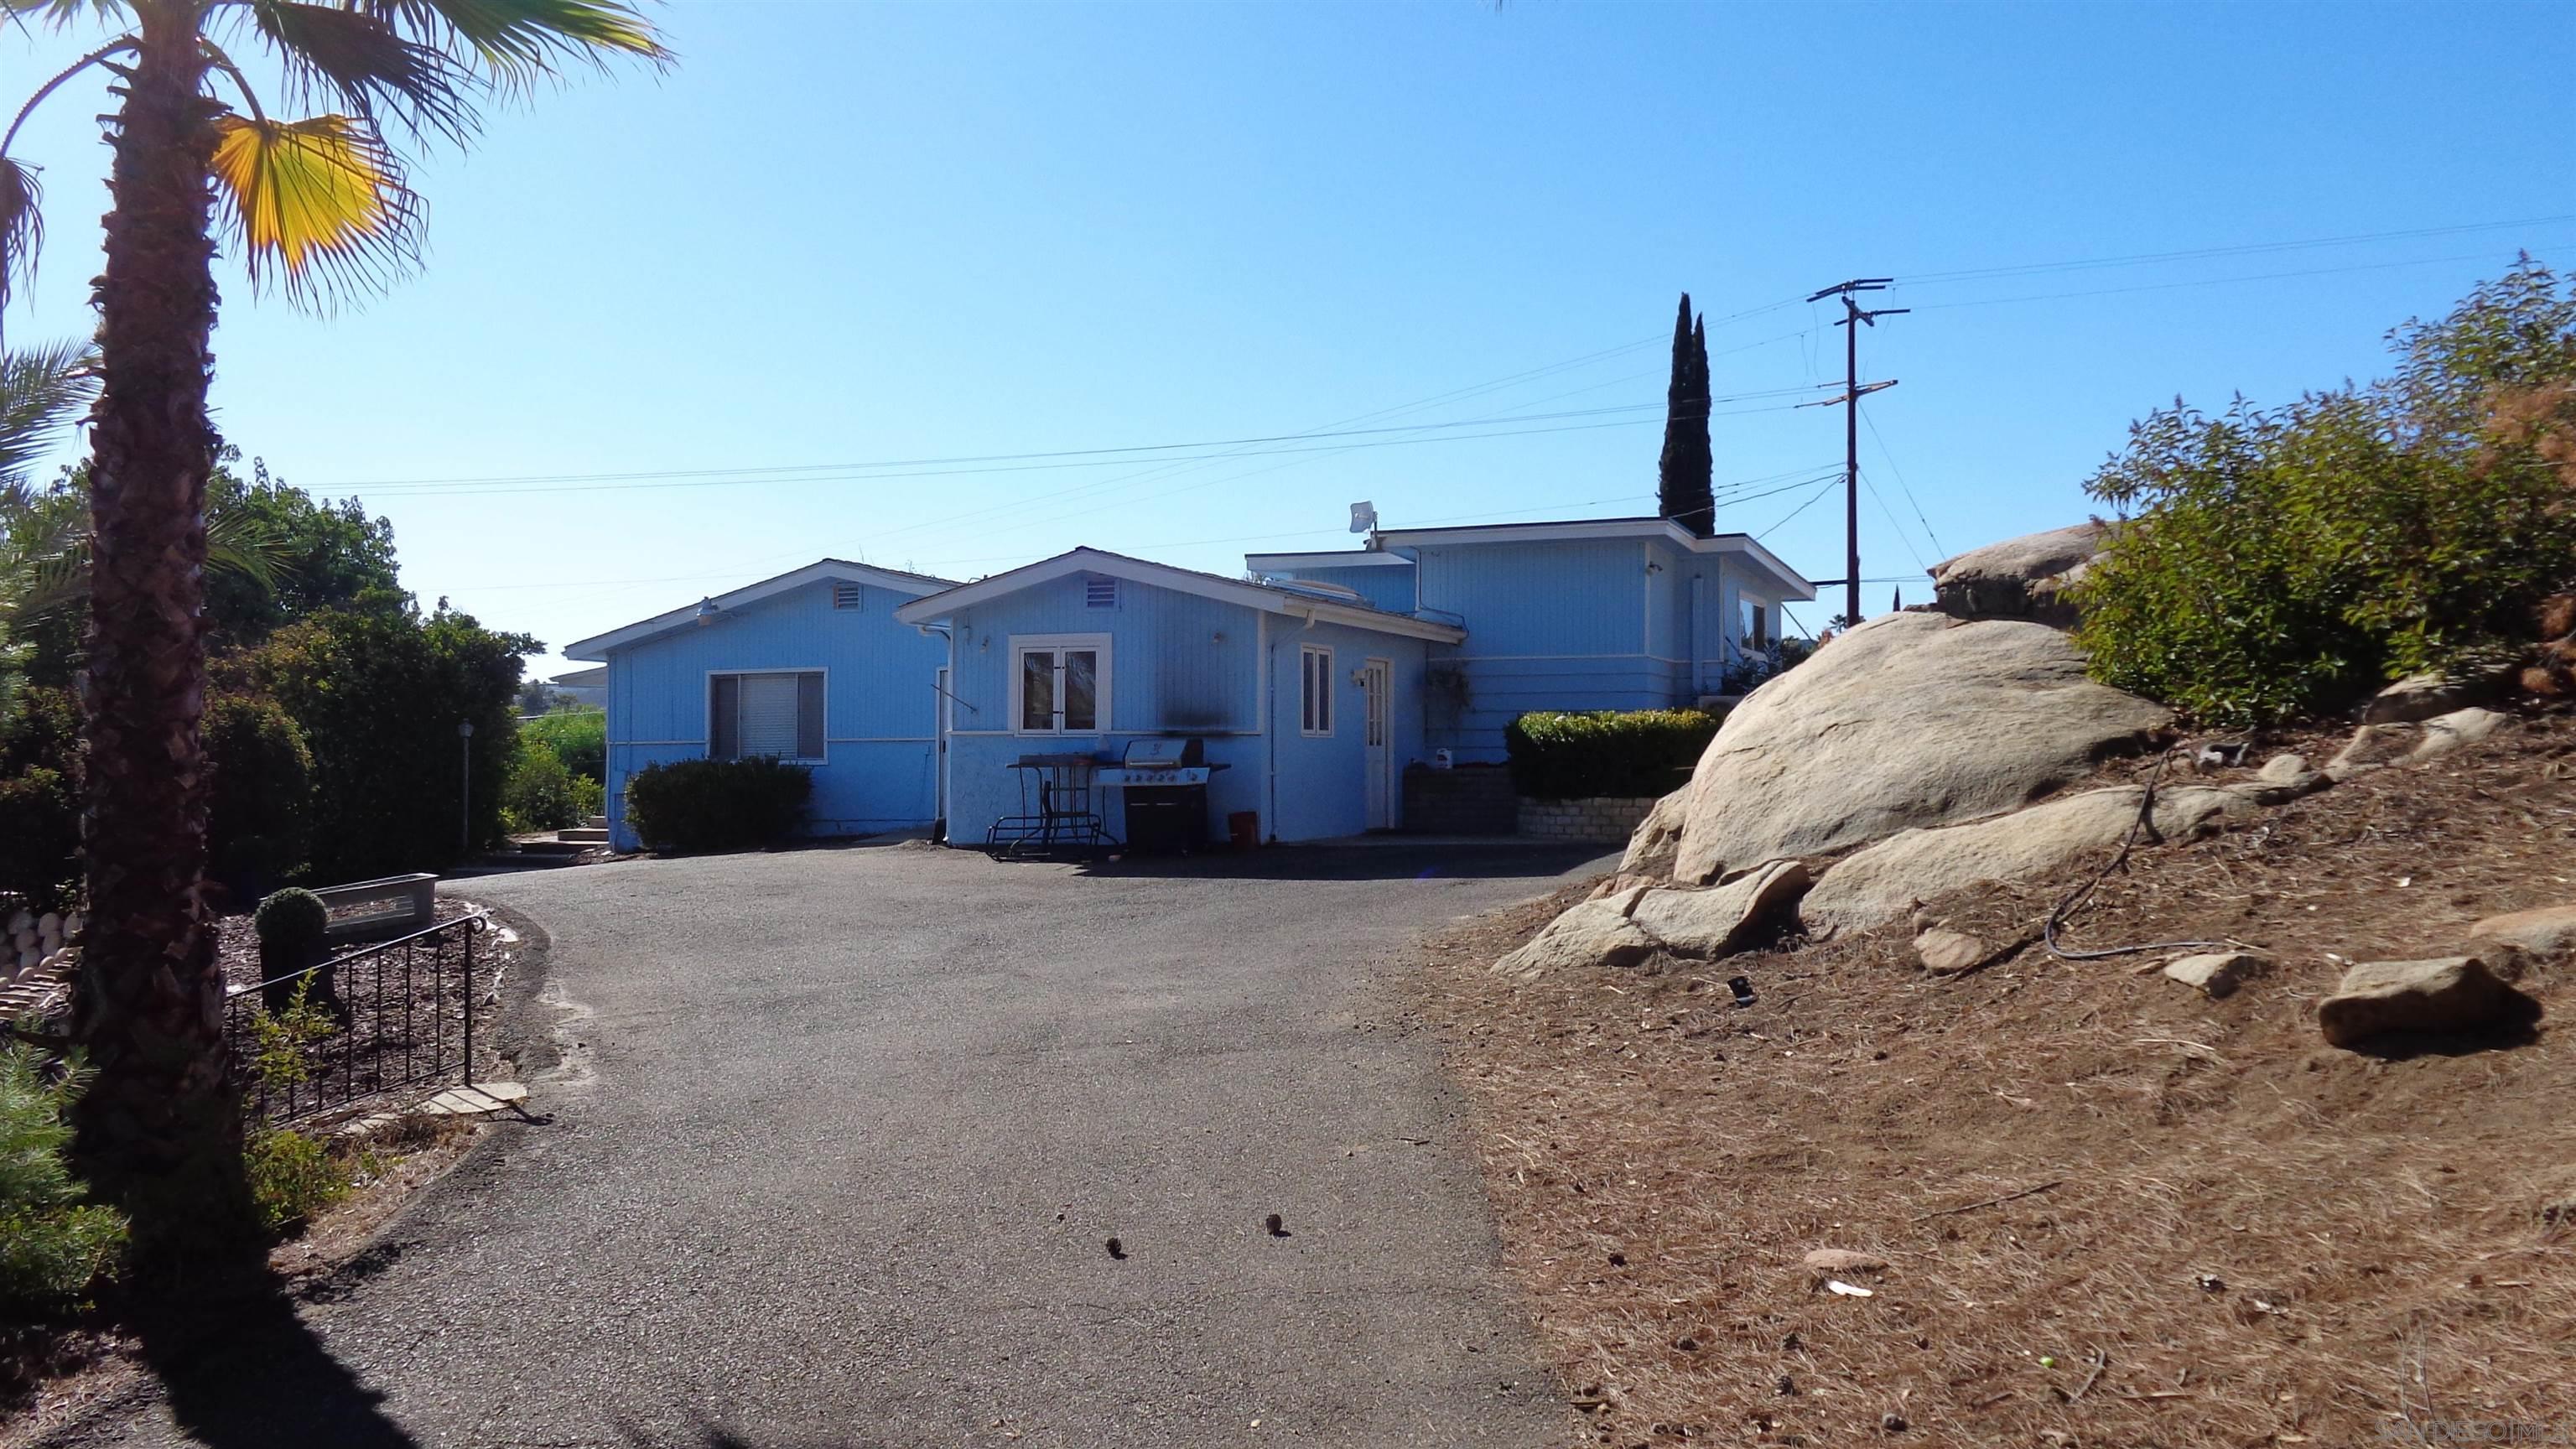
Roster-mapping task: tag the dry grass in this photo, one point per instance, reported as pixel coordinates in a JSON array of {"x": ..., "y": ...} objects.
[{"x": 2252, "y": 1239}]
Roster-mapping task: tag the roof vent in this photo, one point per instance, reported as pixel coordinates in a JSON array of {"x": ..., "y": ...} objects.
[
  {"x": 1099, "y": 591},
  {"x": 849, "y": 596}
]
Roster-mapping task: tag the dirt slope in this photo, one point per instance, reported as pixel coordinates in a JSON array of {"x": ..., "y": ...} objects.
[{"x": 2238, "y": 1235}]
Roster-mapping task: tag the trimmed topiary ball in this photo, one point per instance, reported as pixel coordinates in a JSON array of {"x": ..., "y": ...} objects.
[{"x": 290, "y": 918}]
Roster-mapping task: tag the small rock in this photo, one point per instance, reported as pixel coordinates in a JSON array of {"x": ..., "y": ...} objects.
[
  {"x": 1944, "y": 951},
  {"x": 2449, "y": 732},
  {"x": 2283, "y": 769},
  {"x": 2547, "y": 933},
  {"x": 2372, "y": 747},
  {"x": 1593, "y": 933},
  {"x": 2217, "y": 973},
  {"x": 2455, "y": 993},
  {"x": 49, "y": 924},
  {"x": 2420, "y": 697},
  {"x": 1843, "y": 1260},
  {"x": 1891, "y": 1423}
]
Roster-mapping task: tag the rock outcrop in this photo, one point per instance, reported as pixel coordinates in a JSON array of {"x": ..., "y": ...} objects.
[
  {"x": 1623, "y": 929},
  {"x": 2019, "y": 578},
  {"x": 2547, "y": 933},
  {"x": 1908, "y": 721},
  {"x": 1885, "y": 880}
]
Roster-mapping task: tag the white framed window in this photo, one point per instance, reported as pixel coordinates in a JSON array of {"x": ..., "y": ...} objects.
[
  {"x": 776, "y": 712},
  {"x": 1314, "y": 690},
  {"x": 1060, "y": 684},
  {"x": 1757, "y": 621}
]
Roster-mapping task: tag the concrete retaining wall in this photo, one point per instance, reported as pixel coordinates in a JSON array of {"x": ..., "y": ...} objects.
[{"x": 1605, "y": 820}]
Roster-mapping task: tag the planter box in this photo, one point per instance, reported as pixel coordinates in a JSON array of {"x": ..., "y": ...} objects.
[
  {"x": 1602, "y": 820},
  {"x": 372, "y": 910},
  {"x": 1469, "y": 800}
]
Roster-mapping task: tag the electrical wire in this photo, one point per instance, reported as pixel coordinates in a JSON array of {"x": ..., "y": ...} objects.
[{"x": 1899, "y": 474}]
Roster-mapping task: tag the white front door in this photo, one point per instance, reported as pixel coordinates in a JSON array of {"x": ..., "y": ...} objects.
[{"x": 1376, "y": 701}]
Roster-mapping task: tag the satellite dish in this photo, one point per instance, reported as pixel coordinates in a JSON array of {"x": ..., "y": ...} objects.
[{"x": 1363, "y": 516}]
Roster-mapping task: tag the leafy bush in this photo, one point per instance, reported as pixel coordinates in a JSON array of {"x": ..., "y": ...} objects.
[
  {"x": 589, "y": 797},
  {"x": 538, "y": 795},
  {"x": 579, "y": 738},
  {"x": 2274, "y": 563},
  {"x": 291, "y": 926},
  {"x": 1753, "y": 668},
  {"x": 378, "y": 691},
  {"x": 291, "y": 1176},
  {"x": 259, "y": 811},
  {"x": 1574, "y": 756},
  {"x": 717, "y": 804},
  {"x": 40, "y": 777},
  {"x": 53, "y": 1243}
]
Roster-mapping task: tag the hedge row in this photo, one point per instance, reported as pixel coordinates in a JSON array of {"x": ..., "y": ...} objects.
[
  {"x": 1557, "y": 756},
  {"x": 692, "y": 805}
]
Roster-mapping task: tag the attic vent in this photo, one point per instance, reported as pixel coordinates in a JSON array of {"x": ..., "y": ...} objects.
[
  {"x": 848, "y": 596},
  {"x": 1099, "y": 592}
]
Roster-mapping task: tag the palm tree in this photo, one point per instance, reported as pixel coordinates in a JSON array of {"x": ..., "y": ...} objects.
[{"x": 319, "y": 207}]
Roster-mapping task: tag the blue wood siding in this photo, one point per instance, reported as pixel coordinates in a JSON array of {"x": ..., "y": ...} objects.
[
  {"x": 1571, "y": 624},
  {"x": 1384, "y": 586},
  {"x": 1181, "y": 664},
  {"x": 1178, "y": 664},
  {"x": 878, "y": 705}
]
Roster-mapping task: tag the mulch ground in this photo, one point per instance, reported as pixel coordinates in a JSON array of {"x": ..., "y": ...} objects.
[{"x": 2114, "y": 1212}]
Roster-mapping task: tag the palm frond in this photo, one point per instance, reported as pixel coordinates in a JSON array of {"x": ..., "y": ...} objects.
[
  {"x": 237, "y": 544},
  {"x": 516, "y": 43},
  {"x": 357, "y": 60},
  {"x": 64, "y": 12},
  {"x": 43, "y": 390},
  {"x": 22, "y": 223},
  {"x": 318, "y": 205}
]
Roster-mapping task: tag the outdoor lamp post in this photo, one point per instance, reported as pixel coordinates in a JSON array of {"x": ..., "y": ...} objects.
[{"x": 465, "y": 793}]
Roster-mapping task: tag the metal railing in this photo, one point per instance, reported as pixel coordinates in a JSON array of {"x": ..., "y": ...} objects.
[{"x": 400, "y": 1014}]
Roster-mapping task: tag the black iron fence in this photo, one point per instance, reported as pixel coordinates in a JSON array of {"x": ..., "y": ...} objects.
[{"x": 396, "y": 1014}]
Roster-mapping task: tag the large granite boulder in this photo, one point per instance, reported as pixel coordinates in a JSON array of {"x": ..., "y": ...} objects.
[
  {"x": 1910, "y": 720},
  {"x": 1885, "y": 880},
  {"x": 2019, "y": 578},
  {"x": 1625, "y": 927}
]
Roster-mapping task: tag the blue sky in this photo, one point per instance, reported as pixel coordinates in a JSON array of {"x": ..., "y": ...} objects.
[{"x": 846, "y": 234}]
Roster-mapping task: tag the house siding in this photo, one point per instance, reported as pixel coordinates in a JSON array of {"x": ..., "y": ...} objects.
[
  {"x": 1384, "y": 586},
  {"x": 879, "y": 710},
  {"x": 1178, "y": 664},
  {"x": 1562, "y": 624},
  {"x": 1323, "y": 781}
]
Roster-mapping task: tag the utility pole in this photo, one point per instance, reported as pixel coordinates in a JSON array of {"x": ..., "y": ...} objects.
[{"x": 1853, "y": 315}]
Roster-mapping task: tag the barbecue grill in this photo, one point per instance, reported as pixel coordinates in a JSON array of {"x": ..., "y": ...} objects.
[{"x": 1165, "y": 785}]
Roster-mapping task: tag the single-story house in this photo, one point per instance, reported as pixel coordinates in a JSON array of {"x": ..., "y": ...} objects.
[
  {"x": 810, "y": 666},
  {"x": 1313, "y": 681},
  {"x": 1610, "y": 613},
  {"x": 1313, "y": 701}
]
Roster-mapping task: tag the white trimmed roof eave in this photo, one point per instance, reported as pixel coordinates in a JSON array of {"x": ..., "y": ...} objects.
[
  {"x": 595, "y": 649},
  {"x": 1188, "y": 581}
]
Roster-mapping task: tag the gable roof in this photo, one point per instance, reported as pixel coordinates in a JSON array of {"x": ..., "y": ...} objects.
[
  {"x": 832, "y": 569},
  {"x": 1268, "y": 598},
  {"x": 1392, "y": 541}
]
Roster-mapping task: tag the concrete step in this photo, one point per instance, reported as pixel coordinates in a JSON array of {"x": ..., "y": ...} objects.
[
  {"x": 595, "y": 822},
  {"x": 583, "y": 835}
]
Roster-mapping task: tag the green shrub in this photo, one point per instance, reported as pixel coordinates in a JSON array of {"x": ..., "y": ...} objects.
[
  {"x": 40, "y": 779},
  {"x": 291, "y": 1176},
  {"x": 538, "y": 795},
  {"x": 579, "y": 737},
  {"x": 259, "y": 811},
  {"x": 378, "y": 691},
  {"x": 1576, "y": 756},
  {"x": 717, "y": 804},
  {"x": 589, "y": 797},
  {"x": 53, "y": 1243},
  {"x": 2278, "y": 563},
  {"x": 292, "y": 925}
]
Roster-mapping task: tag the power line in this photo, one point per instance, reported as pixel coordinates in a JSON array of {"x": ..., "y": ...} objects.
[
  {"x": 1872, "y": 424},
  {"x": 1830, "y": 481},
  {"x": 1890, "y": 513},
  {"x": 1855, "y": 317},
  {"x": 2240, "y": 249},
  {"x": 2208, "y": 282}
]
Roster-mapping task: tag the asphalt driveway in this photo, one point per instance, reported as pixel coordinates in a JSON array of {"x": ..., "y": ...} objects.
[{"x": 837, "y": 1141}]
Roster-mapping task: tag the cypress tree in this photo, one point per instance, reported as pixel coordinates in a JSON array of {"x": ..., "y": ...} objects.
[{"x": 1687, "y": 467}]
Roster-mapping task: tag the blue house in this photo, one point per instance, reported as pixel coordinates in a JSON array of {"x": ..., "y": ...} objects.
[
  {"x": 1612, "y": 613},
  {"x": 810, "y": 666},
  {"x": 1313, "y": 681},
  {"x": 1311, "y": 698}
]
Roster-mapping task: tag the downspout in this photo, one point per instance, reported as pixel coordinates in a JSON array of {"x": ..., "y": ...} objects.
[{"x": 1269, "y": 732}]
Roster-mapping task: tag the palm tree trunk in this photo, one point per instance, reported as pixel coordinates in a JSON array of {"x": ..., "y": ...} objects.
[{"x": 160, "y": 1129}]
